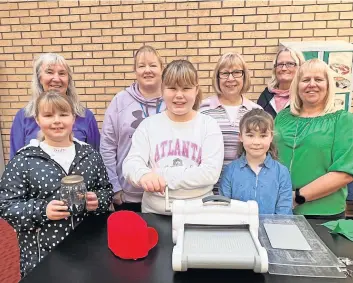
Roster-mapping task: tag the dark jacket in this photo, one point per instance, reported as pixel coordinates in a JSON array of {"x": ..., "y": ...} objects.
[
  {"x": 264, "y": 101},
  {"x": 30, "y": 181},
  {"x": 24, "y": 129}
]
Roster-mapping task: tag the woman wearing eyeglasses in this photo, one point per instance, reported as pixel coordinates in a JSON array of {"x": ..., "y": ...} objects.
[
  {"x": 231, "y": 80},
  {"x": 275, "y": 97}
]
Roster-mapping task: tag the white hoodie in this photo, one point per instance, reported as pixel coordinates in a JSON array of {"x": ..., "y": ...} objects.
[{"x": 188, "y": 155}]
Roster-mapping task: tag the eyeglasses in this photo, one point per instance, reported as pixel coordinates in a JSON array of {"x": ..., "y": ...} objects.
[
  {"x": 287, "y": 64},
  {"x": 235, "y": 74}
]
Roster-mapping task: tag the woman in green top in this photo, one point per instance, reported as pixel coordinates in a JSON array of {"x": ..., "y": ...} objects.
[{"x": 315, "y": 142}]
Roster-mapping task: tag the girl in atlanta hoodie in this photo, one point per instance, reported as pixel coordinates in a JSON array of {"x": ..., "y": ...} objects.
[
  {"x": 179, "y": 147},
  {"x": 29, "y": 188},
  {"x": 126, "y": 111}
]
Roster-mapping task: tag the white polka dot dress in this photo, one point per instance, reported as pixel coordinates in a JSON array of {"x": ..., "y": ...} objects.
[{"x": 30, "y": 181}]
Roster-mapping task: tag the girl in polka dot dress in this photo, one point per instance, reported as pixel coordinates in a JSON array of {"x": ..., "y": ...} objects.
[{"x": 30, "y": 185}]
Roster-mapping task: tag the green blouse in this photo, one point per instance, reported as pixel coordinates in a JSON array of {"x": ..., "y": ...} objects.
[{"x": 312, "y": 147}]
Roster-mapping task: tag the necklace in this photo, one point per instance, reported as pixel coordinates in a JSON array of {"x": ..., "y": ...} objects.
[{"x": 296, "y": 136}]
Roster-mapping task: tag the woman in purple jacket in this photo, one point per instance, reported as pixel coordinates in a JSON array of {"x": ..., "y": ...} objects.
[
  {"x": 126, "y": 111},
  {"x": 51, "y": 72}
]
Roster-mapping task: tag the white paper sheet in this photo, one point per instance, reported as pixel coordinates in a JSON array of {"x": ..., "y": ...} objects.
[{"x": 286, "y": 237}]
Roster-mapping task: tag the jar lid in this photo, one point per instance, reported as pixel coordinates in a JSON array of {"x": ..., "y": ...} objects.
[{"x": 72, "y": 179}]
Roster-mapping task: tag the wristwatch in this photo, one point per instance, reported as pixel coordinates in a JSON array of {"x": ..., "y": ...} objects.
[{"x": 299, "y": 199}]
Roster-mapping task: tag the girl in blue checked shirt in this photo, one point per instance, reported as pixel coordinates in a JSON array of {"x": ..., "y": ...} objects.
[{"x": 256, "y": 174}]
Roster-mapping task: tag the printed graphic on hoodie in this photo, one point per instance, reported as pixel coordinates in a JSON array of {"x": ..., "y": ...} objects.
[
  {"x": 182, "y": 148},
  {"x": 144, "y": 113},
  {"x": 139, "y": 118}
]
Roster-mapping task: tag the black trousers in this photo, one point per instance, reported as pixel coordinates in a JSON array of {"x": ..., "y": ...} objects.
[{"x": 132, "y": 206}]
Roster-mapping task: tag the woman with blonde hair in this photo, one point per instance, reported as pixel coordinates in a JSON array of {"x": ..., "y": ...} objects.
[
  {"x": 231, "y": 80},
  {"x": 51, "y": 72},
  {"x": 275, "y": 97},
  {"x": 315, "y": 142},
  {"x": 179, "y": 147},
  {"x": 125, "y": 112}
]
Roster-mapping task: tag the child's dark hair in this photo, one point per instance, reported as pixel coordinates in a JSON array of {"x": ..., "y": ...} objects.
[
  {"x": 182, "y": 73},
  {"x": 257, "y": 120}
]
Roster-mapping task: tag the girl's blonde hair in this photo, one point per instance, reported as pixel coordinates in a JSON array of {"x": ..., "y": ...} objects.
[
  {"x": 37, "y": 88},
  {"x": 182, "y": 73},
  {"x": 257, "y": 120},
  {"x": 298, "y": 58},
  {"x": 313, "y": 65},
  {"x": 147, "y": 49},
  {"x": 53, "y": 100},
  {"x": 230, "y": 60}
]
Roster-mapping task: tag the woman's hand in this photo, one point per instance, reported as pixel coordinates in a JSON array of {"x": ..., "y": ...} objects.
[
  {"x": 57, "y": 210},
  {"x": 91, "y": 201},
  {"x": 152, "y": 182},
  {"x": 118, "y": 198}
]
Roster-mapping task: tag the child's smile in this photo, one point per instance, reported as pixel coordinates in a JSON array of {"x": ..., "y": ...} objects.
[
  {"x": 256, "y": 143},
  {"x": 179, "y": 101}
]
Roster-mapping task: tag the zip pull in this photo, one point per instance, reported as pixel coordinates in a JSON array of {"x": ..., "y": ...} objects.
[{"x": 38, "y": 243}]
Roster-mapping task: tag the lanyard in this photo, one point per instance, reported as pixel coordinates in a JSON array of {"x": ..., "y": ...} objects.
[{"x": 145, "y": 111}]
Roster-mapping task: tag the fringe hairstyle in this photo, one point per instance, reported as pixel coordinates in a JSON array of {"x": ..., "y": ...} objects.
[
  {"x": 147, "y": 49},
  {"x": 182, "y": 73},
  {"x": 257, "y": 120},
  {"x": 37, "y": 88},
  {"x": 313, "y": 65},
  {"x": 231, "y": 60},
  {"x": 53, "y": 100}
]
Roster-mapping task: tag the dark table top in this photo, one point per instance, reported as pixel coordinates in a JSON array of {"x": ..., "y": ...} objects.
[{"x": 84, "y": 257}]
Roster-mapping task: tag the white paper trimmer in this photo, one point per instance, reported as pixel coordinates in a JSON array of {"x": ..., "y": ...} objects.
[{"x": 216, "y": 233}]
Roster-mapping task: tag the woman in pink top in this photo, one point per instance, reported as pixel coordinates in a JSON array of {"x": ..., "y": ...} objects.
[
  {"x": 231, "y": 80},
  {"x": 275, "y": 97}
]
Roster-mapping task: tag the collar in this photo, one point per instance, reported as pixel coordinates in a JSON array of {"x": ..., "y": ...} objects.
[
  {"x": 214, "y": 102},
  {"x": 36, "y": 142},
  {"x": 267, "y": 163},
  {"x": 33, "y": 148}
]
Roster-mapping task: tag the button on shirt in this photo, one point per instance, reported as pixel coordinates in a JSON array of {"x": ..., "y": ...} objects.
[{"x": 271, "y": 188}]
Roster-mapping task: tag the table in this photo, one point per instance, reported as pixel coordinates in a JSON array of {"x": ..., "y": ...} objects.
[{"x": 84, "y": 257}]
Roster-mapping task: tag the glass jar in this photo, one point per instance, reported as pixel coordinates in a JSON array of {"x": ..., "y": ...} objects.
[{"x": 73, "y": 193}]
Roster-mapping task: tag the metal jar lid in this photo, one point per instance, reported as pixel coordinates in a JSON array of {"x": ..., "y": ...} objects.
[{"x": 71, "y": 180}]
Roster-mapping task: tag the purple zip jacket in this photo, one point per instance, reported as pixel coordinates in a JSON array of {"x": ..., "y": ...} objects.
[
  {"x": 25, "y": 128},
  {"x": 126, "y": 111}
]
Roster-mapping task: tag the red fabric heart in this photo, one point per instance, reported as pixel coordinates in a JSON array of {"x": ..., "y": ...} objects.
[{"x": 128, "y": 235}]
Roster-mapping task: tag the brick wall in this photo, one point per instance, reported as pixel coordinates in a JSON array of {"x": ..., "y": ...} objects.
[{"x": 98, "y": 39}]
